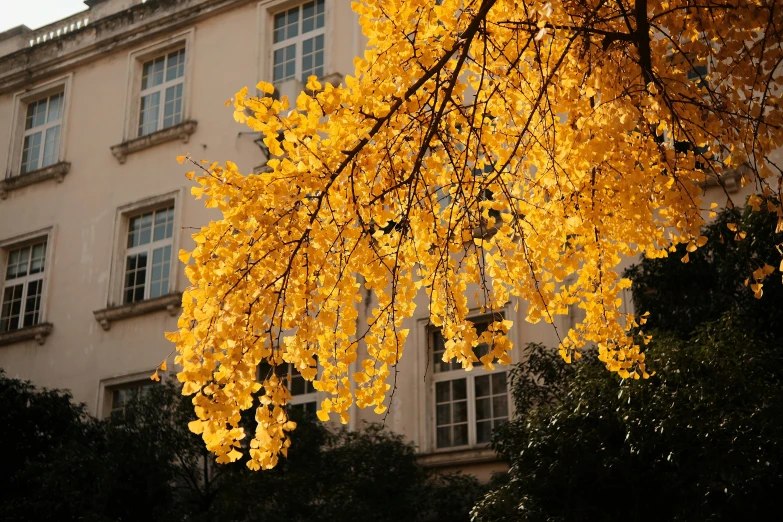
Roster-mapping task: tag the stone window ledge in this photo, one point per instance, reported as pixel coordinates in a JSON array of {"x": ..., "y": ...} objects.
[
  {"x": 457, "y": 457},
  {"x": 39, "y": 332},
  {"x": 56, "y": 172},
  {"x": 171, "y": 303},
  {"x": 181, "y": 132}
]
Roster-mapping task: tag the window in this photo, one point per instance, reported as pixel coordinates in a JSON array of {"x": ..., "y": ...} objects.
[
  {"x": 468, "y": 406},
  {"x": 121, "y": 396},
  {"x": 41, "y": 139},
  {"x": 23, "y": 286},
  {"x": 148, "y": 255},
  {"x": 162, "y": 84},
  {"x": 298, "y": 42},
  {"x": 302, "y": 390}
]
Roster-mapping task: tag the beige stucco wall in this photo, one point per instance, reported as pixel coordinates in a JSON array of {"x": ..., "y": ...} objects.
[
  {"x": 226, "y": 54},
  {"x": 82, "y": 209}
]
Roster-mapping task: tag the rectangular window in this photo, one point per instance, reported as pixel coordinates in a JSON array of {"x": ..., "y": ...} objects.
[
  {"x": 41, "y": 138},
  {"x": 23, "y": 287},
  {"x": 468, "y": 406},
  {"x": 120, "y": 396},
  {"x": 298, "y": 42},
  {"x": 162, "y": 81},
  {"x": 148, "y": 255}
]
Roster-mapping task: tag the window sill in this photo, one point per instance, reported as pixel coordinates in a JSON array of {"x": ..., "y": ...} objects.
[
  {"x": 56, "y": 172},
  {"x": 181, "y": 132},
  {"x": 171, "y": 303},
  {"x": 38, "y": 332},
  {"x": 457, "y": 457}
]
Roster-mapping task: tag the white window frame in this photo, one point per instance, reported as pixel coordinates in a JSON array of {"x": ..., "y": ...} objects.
[
  {"x": 6, "y": 246},
  {"x": 149, "y": 249},
  {"x": 43, "y": 130},
  {"x": 470, "y": 377},
  {"x": 298, "y": 40},
  {"x": 17, "y": 131},
  {"x": 161, "y": 89},
  {"x": 266, "y": 11},
  {"x": 116, "y": 294},
  {"x": 136, "y": 60}
]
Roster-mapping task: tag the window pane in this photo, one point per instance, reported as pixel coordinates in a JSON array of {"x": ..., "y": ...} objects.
[
  {"x": 442, "y": 392},
  {"x": 17, "y": 263},
  {"x": 293, "y": 23},
  {"x": 279, "y": 28},
  {"x": 297, "y": 383},
  {"x": 172, "y": 110},
  {"x": 145, "y": 234},
  {"x": 148, "y": 113},
  {"x": 443, "y": 414},
  {"x": 36, "y": 114},
  {"x": 483, "y": 409},
  {"x": 460, "y": 411},
  {"x": 460, "y": 435},
  {"x": 51, "y": 145},
  {"x": 443, "y": 437},
  {"x": 38, "y": 257},
  {"x": 160, "y": 263},
  {"x": 13, "y": 259},
  {"x": 22, "y": 262},
  {"x": 31, "y": 151},
  {"x": 135, "y": 276},
  {"x": 459, "y": 389},
  {"x": 320, "y": 9},
  {"x": 483, "y": 431},
  {"x": 290, "y": 69},
  {"x": 152, "y": 73},
  {"x": 175, "y": 68},
  {"x": 500, "y": 406},
  {"x": 491, "y": 404},
  {"x": 451, "y": 413},
  {"x": 164, "y": 220},
  {"x": 32, "y": 302},
  {"x": 11, "y": 308},
  {"x": 499, "y": 383},
  {"x": 482, "y": 386},
  {"x": 134, "y": 227},
  {"x": 55, "y": 108}
]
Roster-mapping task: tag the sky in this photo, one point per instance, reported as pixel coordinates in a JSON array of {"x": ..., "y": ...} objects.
[{"x": 36, "y": 13}]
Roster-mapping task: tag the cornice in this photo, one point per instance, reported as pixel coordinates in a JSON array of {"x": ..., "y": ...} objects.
[{"x": 125, "y": 29}]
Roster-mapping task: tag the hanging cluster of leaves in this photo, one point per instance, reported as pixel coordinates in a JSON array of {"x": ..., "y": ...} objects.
[{"x": 483, "y": 150}]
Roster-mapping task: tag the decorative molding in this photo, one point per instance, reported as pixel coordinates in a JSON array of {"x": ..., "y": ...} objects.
[
  {"x": 39, "y": 332},
  {"x": 171, "y": 303},
  {"x": 457, "y": 457},
  {"x": 181, "y": 131},
  {"x": 56, "y": 172},
  {"x": 126, "y": 28}
]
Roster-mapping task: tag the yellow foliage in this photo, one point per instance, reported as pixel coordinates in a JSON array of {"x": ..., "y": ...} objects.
[{"x": 506, "y": 145}]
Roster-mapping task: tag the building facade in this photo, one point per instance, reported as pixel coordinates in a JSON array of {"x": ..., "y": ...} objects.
[{"x": 93, "y": 206}]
